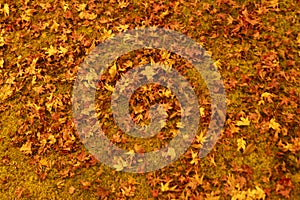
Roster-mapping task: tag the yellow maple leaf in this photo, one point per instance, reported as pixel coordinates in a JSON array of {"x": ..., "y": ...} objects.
[
  {"x": 51, "y": 51},
  {"x": 81, "y": 7},
  {"x": 274, "y": 125},
  {"x": 241, "y": 144},
  {"x": 123, "y": 4},
  {"x": 51, "y": 139},
  {"x": 243, "y": 122},
  {"x": 26, "y": 148},
  {"x": 195, "y": 158},
  {"x": 31, "y": 69},
  {"x": 259, "y": 193},
  {"x": 218, "y": 64},
  {"x": 5, "y": 92},
  {"x": 166, "y": 187},
  {"x": 66, "y": 7},
  {"x": 44, "y": 162},
  {"x": 87, "y": 15},
  {"x": 200, "y": 138},
  {"x": 167, "y": 93},
  {"x": 202, "y": 111},
  {"x": 6, "y": 9},
  {"x": 165, "y": 55},
  {"x": 266, "y": 96},
  {"x": 113, "y": 70},
  {"x": 54, "y": 26},
  {"x": 122, "y": 27},
  {"x": 198, "y": 179},
  {"x": 63, "y": 50},
  {"x": 107, "y": 34}
]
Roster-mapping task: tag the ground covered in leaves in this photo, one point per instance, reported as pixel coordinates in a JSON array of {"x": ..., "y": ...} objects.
[{"x": 255, "y": 45}]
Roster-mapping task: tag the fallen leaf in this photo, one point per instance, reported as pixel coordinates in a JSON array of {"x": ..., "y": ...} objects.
[
  {"x": 241, "y": 144},
  {"x": 71, "y": 190},
  {"x": 26, "y": 148},
  {"x": 243, "y": 122},
  {"x": 6, "y": 9}
]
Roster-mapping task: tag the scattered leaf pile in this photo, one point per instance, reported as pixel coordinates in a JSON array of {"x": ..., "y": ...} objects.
[{"x": 256, "y": 47}]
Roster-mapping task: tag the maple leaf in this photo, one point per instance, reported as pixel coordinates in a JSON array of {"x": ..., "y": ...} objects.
[
  {"x": 241, "y": 144},
  {"x": 6, "y": 9},
  {"x": 202, "y": 113},
  {"x": 6, "y": 92},
  {"x": 243, "y": 122},
  {"x": 31, "y": 69},
  {"x": 274, "y": 125},
  {"x": 218, "y": 64},
  {"x": 51, "y": 51},
  {"x": 85, "y": 184},
  {"x": 63, "y": 50},
  {"x": 44, "y": 162},
  {"x": 51, "y": 139},
  {"x": 120, "y": 164},
  {"x": 87, "y": 15},
  {"x": 123, "y": 4},
  {"x": 165, "y": 13},
  {"x": 81, "y": 7},
  {"x": 101, "y": 192},
  {"x": 195, "y": 158},
  {"x": 54, "y": 26},
  {"x": 128, "y": 190},
  {"x": 267, "y": 95},
  {"x": 264, "y": 96},
  {"x": 113, "y": 70},
  {"x": 229, "y": 20},
  {"x": 26, "y": 148},
  {"x": 199, "y": 139},
  {"x": 107, "y": 34},
  {"x": 166, "y": 187},
  {"x": 270, "y": 3},
  {"x": 121, "y": 27},
  {"x": 289, "y": 146},
  {"x": 66, "y": 7},
  {"x": 71, "y": 190}
]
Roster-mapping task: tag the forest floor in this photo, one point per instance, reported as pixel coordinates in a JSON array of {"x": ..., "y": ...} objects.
[{"x": 254, "y": 44}]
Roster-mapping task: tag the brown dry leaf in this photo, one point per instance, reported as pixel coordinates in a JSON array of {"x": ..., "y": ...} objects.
[
  {"x": 71, "y": 190},
  {"x": 85, "y": 184},
  {"x": 101, "y": 192}
]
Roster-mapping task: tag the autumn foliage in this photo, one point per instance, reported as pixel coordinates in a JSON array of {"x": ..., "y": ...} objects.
[{"x": 255, "y": 46}]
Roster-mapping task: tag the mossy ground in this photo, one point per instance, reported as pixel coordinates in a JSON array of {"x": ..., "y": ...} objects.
[{"x": 254, "y": 59}]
